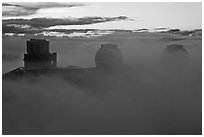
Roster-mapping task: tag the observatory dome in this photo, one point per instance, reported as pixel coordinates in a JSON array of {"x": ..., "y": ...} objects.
[
  {"x": 175, "y": 55},
  {"x": 108, "y": 56}
]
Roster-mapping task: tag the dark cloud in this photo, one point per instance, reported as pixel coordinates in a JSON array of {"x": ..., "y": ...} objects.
[
  {"x": 37, "y": 24},
  {"x": 22, "y": 9},
  {"x": 7, "y": 4},
  {"x": 48, "y": 22},
  {"x": 161, "y": 28}
]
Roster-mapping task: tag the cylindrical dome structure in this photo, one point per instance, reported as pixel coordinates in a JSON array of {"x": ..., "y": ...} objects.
[{"x": 108, "y": 56}]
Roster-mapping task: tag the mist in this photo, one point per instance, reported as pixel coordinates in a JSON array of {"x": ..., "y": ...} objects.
[{"x": 143, "y": 97}]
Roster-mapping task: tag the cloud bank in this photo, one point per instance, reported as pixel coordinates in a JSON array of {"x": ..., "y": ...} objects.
[
  {"x": 137, "y": 101},
  {"x": 48, "y": 22},
  {"x": 39, "y": 25}
]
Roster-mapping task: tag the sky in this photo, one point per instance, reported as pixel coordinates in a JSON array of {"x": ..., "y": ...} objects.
[{"x": 150, "y": 15}]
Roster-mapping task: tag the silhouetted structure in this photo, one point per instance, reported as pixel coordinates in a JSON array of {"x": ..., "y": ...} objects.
[
  {"x": 38, "y": 55},
  {"x": 175, "y": 56},
  {"x": 39, "y": 61},
  {"x": 108, "y": 57}
]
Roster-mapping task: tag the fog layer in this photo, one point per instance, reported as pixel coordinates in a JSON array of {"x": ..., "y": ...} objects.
[{"x": 143, "y": 97}]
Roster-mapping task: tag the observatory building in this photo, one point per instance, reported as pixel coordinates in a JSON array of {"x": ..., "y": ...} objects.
[
  {"x": 39, "y": 60},
  {"x": 175, "y": 56},
  {"x": 38, "y": 55},
  {"x": 108, "y": 56}
]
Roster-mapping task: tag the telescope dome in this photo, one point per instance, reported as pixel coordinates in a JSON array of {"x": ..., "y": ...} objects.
[{"x": 108, "y": 56}]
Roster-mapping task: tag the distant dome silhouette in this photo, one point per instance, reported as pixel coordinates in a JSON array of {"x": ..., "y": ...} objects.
[
  {"x": 175, "y": 55},
  {"x": 108, "y": 56}
]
